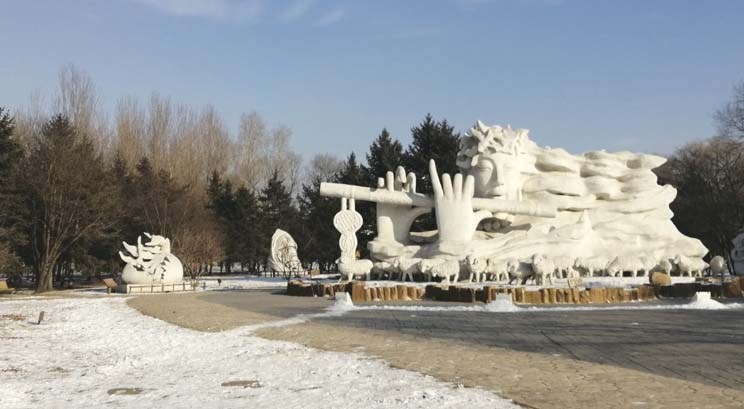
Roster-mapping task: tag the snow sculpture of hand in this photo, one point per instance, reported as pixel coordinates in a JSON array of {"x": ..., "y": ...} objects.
[
  {"x": 151, "y": 262},
  {"x": 456, "y": 220},
  {"x": 347, "y": 222},
  {"x": 394, "y": 221}
]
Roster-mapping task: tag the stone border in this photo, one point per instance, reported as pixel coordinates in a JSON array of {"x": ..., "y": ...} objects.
[{"x": 520, "y": 295}]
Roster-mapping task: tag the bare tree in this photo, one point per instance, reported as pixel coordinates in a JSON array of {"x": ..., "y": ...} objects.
[
  {"x": 69, "y": 194},
  {"x": 730, "y": 118},
  {"x": 77, "y": 98},
  {"x": 323, "y": 166},
  {"x": 251, "y": 149},
  {"x": 131, "y": 130}
]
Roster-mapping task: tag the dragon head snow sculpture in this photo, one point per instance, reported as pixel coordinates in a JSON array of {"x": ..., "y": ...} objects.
[{"x": 151, "y": 262}]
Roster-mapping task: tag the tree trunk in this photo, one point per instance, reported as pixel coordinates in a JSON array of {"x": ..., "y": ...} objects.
[{"x": 44, "y": 283}]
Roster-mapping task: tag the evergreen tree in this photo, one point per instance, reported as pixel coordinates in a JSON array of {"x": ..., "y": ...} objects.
[
  {"x": 247, "y": 229},
  {"x": 385, "y": 154},
  {"x": 12, "y": 211},
  {"x": 277, "y": 212},
  {"x": 432, "y": 140},
  {"x": 318, "y": 238}
]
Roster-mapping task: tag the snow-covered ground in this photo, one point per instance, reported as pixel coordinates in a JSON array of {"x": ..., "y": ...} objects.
[
  {"x": 97, "y": 352},
  {"x": 243, "y": 282}
]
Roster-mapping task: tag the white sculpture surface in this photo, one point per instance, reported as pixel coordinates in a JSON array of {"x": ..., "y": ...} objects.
[
  {"x": 151, "y": 262},
  {"x": 737, "y": 254},
  {"x": 348, "y": 221},
  {"x": 514, "y": 199},
  {"x": 283, "y": 258}
]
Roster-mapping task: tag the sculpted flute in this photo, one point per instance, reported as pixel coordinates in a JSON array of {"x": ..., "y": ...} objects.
[{"x": 382, "y": 195}]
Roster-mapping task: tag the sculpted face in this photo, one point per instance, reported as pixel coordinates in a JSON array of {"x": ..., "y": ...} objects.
[{"x": 496, "y": 174}]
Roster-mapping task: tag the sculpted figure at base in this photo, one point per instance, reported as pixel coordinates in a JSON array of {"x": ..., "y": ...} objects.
[
  {"x": 283, "y": 258},
  {"x": 513, "y": 199},
  {"x": 151, "y": 262}
]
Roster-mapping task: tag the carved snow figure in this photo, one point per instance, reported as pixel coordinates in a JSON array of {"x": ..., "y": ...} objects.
[
  {"x": 591, "y": 266},
  {"x": 347, "y": 222},
  {"x": 151, "y": 262},
  {"x": 544, "y": 268},
  {"x": 447, "y": 270},
  {"x": 564, "y": 266},
  {"x": 476, "y": 268},
  {"x": 689, "y": 266},
  {"x": 283, "y": 258},
  {"x": 499, "y": 269},
  {"x": 718, "y": 266},
  {"x": 407, "y": 267},
  {"x": 621, "y": 264},
  {"x": 514, "y": 199},
  {"x": 523, "y": 272}
]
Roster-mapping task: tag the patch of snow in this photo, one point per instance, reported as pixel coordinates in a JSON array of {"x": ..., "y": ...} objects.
[{"x": 93, "y": 352}]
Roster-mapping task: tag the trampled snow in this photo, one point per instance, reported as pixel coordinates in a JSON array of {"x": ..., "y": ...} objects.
[{"x": 96, "y": 352}]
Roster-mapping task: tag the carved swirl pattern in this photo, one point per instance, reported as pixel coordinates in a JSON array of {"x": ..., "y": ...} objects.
[{"x": 347, "y": 222}]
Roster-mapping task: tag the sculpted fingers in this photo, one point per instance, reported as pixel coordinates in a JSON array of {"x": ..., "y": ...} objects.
[
  {"x": 447, "y": 185},
  {"x": 380, "y": 183},
  {"x": 436, "y": 185},
  {"x": 457, "y": 186},
  {"x": 400, "y": 178},
  {"x": 411, "y": 182},
  {"x": 469, "y": 189},
  {"x": 389, "y": 182}
]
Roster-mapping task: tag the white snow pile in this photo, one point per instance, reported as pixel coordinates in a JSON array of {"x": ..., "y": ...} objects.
[{"x": 98, "y": 352}]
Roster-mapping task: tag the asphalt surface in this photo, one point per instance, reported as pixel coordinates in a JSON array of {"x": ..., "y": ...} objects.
[{"x": 695, "y": 345}]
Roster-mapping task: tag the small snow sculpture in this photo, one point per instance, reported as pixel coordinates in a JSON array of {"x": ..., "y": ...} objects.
[
  {"x": 445, "y": 269},
  {"x": 151, "y": 262},
  {"x": 477, "y": 268},
  {"x": 283, "y": 258},
  {"x": 347, "y": 222},
  {"x": 589, "y": 266},
  {"x": 543, "y": 268},
  {"x": 690, "y": 266},
  {"x": 407, "y": 267},
  {"x": 621, "y": 264},
  {"x": 718, "y": 266}
]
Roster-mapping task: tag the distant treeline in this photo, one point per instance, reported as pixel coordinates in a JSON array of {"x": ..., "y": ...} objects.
[{"x": 73, "y": 185}]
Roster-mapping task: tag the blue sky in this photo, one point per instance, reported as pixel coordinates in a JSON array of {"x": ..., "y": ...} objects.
[{"x": 583, "y": 75}]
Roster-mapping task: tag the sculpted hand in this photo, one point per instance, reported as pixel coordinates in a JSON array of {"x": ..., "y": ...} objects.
[
  {"x": 394, "y": 221},
  {"x": 456, "y": 220}
]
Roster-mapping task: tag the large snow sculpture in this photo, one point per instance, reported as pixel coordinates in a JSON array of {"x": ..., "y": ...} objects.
[
  {"x": 151, "y": 262},
  {"x": 347, "y": 222},
  {"x": 515, "y": 199},
  {"x": 283, "y": 258}
]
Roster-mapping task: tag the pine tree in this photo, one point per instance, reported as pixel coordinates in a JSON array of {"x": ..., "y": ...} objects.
[
  {"x": 277, "y": 212},
  {"x": 432, "y": 140},
  {"x": 12, "y": 211},
  {"x": 385, "y": 154},
  {"x": 318, "y": 240}
]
